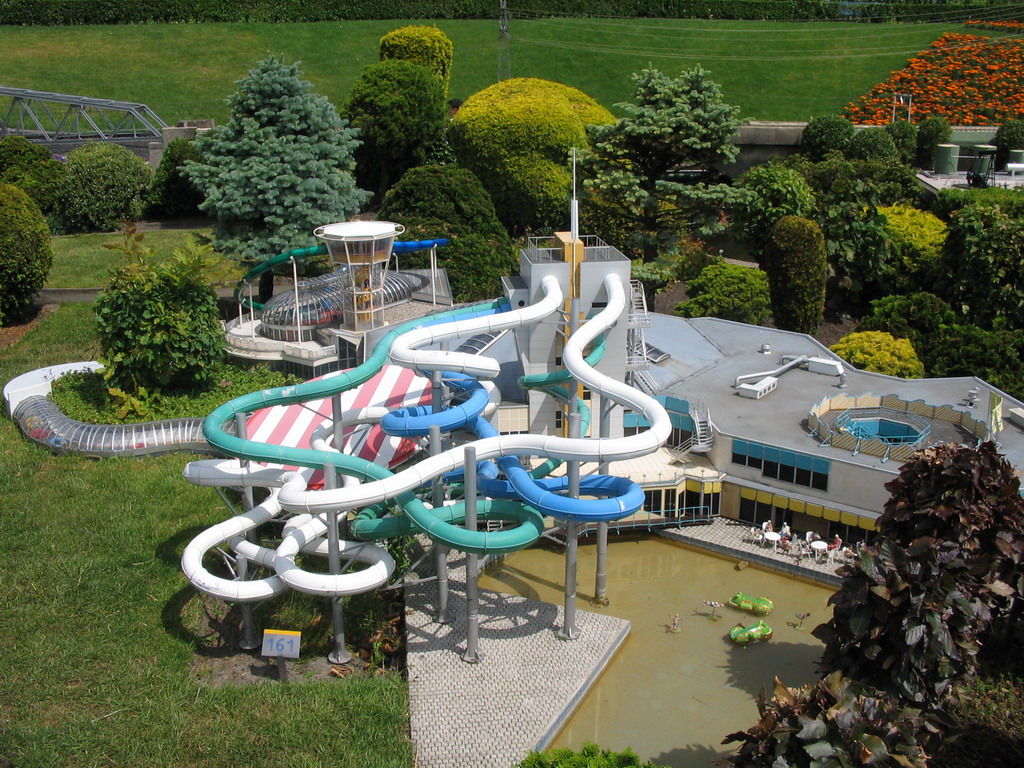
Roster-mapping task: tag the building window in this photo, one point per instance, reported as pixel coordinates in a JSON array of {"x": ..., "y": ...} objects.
[{"x": 779, "y": 464}]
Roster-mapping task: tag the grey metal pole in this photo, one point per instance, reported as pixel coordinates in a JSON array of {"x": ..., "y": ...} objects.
[
  {"x": 601, "y": 579},
  {"x": 572, "y": 532},
  {"x": 248, "y": 641},
  {"x": 440, "y": 551},
  {"x": 340, "y": 654},
  {"x": 339, "y": 428},
  {"x": 472, "y": 654}
]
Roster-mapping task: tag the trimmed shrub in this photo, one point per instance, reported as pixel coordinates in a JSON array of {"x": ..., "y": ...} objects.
[
  {"x": 449, "y": 201},
  {"x": 931, "y": 132},
  {"x": 589, "y": 756},
  {"x": 25, "y": 253},
  {"x": 427, "y": 46},
  {"x": 159, "y": 323},
  {"x": 983, "y": 267},
  {"x": 904, "y": 136},
  {"x": 104, "y": 186},
  {"x": 915, "y": 244},
  {"x": 399, "y": 110},
  {"x": 728, "y": 291},
  {"x": 773, "y": 191},
  {"x": 32, "y": 169},
  {"x": 443, "y": 193},
  {"x": 824, "y": 134},
  {"x": 951, "y": 199},
  {"x": 172, "y": 195},
  {"x": 915, "y": 316},
  {"x": 516, "y": 136},
  {"x": 797, "y": 269},
  {"x": 880, "y": 352},
  {"x": 967, "y": 350},
  {"x": 871, "y": 144},
  {"x": 1009, "y": 136}
]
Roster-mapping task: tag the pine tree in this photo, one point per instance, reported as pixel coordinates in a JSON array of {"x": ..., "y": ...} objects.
[
  {"x": 280, "y": 167},
  {"x": 651, "y": 169}
]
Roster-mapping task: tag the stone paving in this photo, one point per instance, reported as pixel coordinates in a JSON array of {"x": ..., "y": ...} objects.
[{"x": 528, "y": 682}]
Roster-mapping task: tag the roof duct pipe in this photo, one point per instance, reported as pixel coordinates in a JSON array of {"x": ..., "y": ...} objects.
[{"x": 788, "y": 362}]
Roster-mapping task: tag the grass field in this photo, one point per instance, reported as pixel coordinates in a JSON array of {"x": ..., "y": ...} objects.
[
  {"x": 772, "y": 70},
  {"x": 84, "y": 261},
  {"x": 98, "y": 625}
]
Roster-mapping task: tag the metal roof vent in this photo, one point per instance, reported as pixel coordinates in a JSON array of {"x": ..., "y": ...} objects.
[{"x": 766, "y": 349}]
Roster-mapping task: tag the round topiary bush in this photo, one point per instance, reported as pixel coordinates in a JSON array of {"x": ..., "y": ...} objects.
[
  {"x": 104, "y": 185},
  {"x": 172, "y": 195},
  {"x": 31, "y": 168},
  {"x": 1009, "y": 136},
  {"x": 880, "y": 352},
  {"x": 872, "y": 144},
  {"x": 931, "y": 132},
  {"x": 915, "y": 316},
  {"x": 517, "y": 136},
  {"x": 904, "y": 136},
  {"x": 826, "y": 133},
  {"x": 427, "y": 46},
  {"x": 797, "y": 269},
  {"x": 25, "y": 253},
  {"x": 728, "y": 291}
]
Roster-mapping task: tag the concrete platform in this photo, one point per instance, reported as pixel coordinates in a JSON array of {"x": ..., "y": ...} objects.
[{"x": 528, "y": 682}]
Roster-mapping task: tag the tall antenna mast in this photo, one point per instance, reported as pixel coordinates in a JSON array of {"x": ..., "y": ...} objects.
[
  {"x": 574, "y": 206},
  {"x": 504, "y": 43}
]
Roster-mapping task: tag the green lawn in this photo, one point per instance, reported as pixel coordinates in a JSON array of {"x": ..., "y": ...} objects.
[
  {"x": 99, "y": 625},
  {"x": 772, "y": 70},
  {"x": 84, "y": 261}
]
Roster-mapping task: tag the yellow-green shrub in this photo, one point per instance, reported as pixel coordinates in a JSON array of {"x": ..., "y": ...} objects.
[
  {"x": 915, "y": 242},
  {"x": 517, "y": 136},
  {"x": 427, "y": 46},
  {"x": 880, "y": 352}
]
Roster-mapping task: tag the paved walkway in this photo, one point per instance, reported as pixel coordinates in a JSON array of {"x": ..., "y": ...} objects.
[{"x": 528, "y": 681}]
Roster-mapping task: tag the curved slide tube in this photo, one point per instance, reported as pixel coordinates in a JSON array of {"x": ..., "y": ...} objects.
[{"x": 44, "y": 423}]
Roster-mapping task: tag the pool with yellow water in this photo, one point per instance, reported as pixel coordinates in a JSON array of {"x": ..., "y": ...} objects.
[{"x": 673, "y": 696}]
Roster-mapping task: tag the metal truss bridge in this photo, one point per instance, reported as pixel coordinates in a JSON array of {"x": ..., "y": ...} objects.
[{"x": 57, "y": 117}]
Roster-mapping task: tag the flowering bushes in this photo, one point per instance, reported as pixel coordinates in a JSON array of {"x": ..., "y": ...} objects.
[{"x": 968, "y": 79}]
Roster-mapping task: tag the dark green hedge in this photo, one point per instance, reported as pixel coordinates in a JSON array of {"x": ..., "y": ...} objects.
[{"x": 76, "y": 12}]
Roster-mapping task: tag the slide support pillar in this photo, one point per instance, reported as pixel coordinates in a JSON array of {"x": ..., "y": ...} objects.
[
  {"x": 440, "y": 551},
  {"x": 601, "y": 580},
  {"x": 572, "y": 543},
  {"x": 472, "y": 654},
  {"x": 340, "y": 654}
]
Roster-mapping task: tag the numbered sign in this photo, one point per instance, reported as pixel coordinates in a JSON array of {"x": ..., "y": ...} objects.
[{"x": 281, "y": 642}]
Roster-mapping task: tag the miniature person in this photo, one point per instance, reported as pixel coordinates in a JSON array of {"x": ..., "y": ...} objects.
[
  {"x": 837, "y": 543},
  {"x": 785, "y": 531},
  {"x": 767, "y": 527},
  {"x": 675, "y": 622}
]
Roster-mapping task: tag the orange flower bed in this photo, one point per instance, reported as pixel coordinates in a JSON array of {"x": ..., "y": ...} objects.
[
  {"x": 1003, "y": 26},
  {"x": 967, "y": 79}
]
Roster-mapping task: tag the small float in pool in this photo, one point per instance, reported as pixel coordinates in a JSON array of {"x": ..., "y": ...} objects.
[
  {"x": 762, "y": 606},
  {"x": 760, "y": 632}
]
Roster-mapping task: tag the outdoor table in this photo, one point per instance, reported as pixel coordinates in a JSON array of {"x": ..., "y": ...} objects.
[
  {"x": 773, "y": 537},
  {"x": 820, "y": 548}
]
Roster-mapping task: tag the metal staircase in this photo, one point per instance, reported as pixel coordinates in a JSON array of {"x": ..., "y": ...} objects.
[
  {"x": 639, "y": 318},
  {"x": 703, "y": 429}
]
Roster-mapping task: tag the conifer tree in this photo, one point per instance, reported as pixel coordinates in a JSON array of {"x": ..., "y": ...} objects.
[
  {"x": 281, "y": 166},
  {"x": 652, "y": 170}
]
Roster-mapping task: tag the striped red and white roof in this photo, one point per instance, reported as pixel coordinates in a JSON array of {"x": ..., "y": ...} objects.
[{"x": 293, "y": 425}]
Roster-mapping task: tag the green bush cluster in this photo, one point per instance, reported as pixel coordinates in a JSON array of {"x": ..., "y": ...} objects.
[
  {"x": 728, "y": 291},
  {"x": 104, "y": 186},
  {"x": 904, "y": 137},
  {"x": 797, "y": 269},
  {"x": 913, "y": 316},
  {"x": 449, "y": 201},
  {"x": 427, "y": 46},
  {"x": 824, "y": 134},
  {"x": 32, "y": 169},
  {"x": 880, "y": 352},
  {"x": 773, "y": 191},
  {"x": 159, "y": 322},
  {"x": 171, "y": 194},
  {"x": 516, "y": 136},
  {"x": 25, "y": 253},
  {"x": 589, "y": 756},
  {"x": 75, "y": 12},
  {"x": 952, "y": 199},
  {"x": 891, "y": 182}
]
